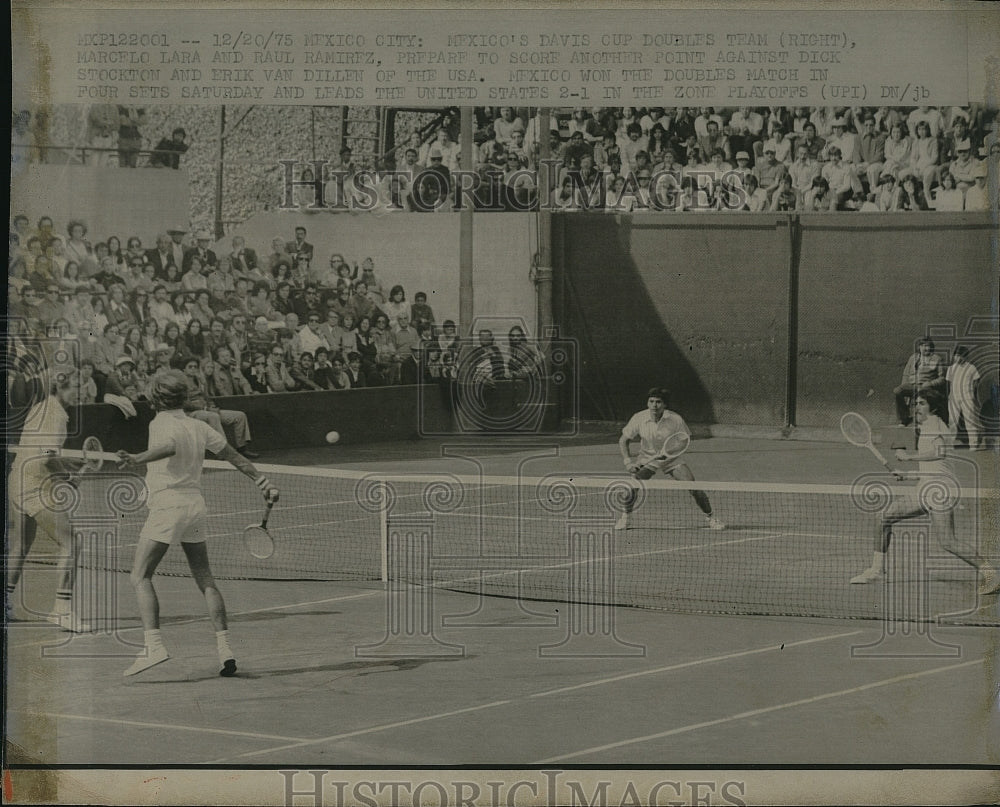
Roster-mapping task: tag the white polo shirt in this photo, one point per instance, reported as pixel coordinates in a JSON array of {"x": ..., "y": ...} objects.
[
  {"x": 653, "y": 433},
  {"x": 176, "y": 478}
]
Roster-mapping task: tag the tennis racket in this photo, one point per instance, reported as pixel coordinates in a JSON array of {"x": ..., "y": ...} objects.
[
  {"x": 675, "y": 445},
  {"x": 857, "y": 432},
  {"x": 257, "y": 539}
]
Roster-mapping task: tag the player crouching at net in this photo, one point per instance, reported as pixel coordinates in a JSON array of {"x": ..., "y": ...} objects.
[
  {"x": 177, "y": 511},
  {"x": 930, "y": 411},
  {"x": 36, "y": 472},
  {"x": 663, "y": 436}
]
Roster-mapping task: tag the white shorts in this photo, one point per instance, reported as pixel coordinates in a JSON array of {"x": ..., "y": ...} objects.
[
  {"x": 662, "y": 466},
  {"x": 28, "y": 499},
  {"x": 179, "y": 523}
]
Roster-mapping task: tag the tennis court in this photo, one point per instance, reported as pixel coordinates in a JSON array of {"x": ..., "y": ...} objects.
[{"x": 517, "y": 628}]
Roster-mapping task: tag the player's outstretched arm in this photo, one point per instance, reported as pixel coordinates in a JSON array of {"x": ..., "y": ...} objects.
[
  {"x": 623, "y": 443},
  {"x": 126, "y": 460},
  {"x": 247, "y": 468}
]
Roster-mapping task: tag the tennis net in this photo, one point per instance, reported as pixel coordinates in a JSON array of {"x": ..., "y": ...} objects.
[{"x": 786, "y": 550}]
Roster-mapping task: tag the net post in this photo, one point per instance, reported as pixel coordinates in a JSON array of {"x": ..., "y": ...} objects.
[{"x": 383, "y": 526}]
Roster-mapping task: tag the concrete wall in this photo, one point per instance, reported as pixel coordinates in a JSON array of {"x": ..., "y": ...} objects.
[
  {"x": 869, "y": 287},
  {"x": 112, "y": 201},
  {"x": 676, "y": 301},
  {"x": 701, "y": 304}
]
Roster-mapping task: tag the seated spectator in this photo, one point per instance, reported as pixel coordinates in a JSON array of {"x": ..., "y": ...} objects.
[
  {"x": 420, "y": 312},
  {"x": 388, "y": 357},
  {"x": 367, "y": 349},
  {"x": 160, "y": 308},
  {"x": 376, "y": 292},
  {"x": 769, "y": 171},
  {"x": 897, "y": 151},
  {"x": 308, "y": 303},
  {"x": 312, "y": 336},
  {"x": 841, "y": 179},
  {"x": 278, "y": 255},
  {"x": 565, "y": 197},
  {"x": 201, "y": 309},
  {"x": 355, "y": 374},
  {"x": 948, "y": 197},
  {"x": 785, "y": 199},
  {"x": 125, "y": 375},
  {"x": 911, "y": 194},
  {"x": 201, "y": 250},
  {"x": 303, "y": 373},
  {"x": 844, "y": 140},
  {"x": 116, "y": 309},
  {"x": 105, "y": 352},
  {"x": 341, "y": 334},
  {"x": 977, "y": 197},
  {"x": 88, "y": 387},
  {"x": 243, "y": 259},
  {"x": 50, "y": 307},
  {"x": 803, "y": 170},
  {"x": 228, "y": 378},
  {"x": 323, "y": 369},
  {"x": 168, "y": 151},
  {"x": 230, "y": 423},
  {"x": 396, "y": 304},
  {"x": 195, "y": 278},
  {"x": 606, "y": 150},
  {"x": 406, "y": 340},
  {"x": 276, "y": 371},
  {"x": 887, "y": 194},
  {"x": 41, "y": 275},
  {"x": 256, "y": 373},
  {"x": 485, "y": 361},
  {"x": 818, "y": 198},
  {"x": 71, "y": 279},
  {"x": 194, "y": 339}
]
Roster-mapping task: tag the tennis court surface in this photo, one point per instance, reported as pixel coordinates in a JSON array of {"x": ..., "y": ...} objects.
[{"x": 472, "y": 604}]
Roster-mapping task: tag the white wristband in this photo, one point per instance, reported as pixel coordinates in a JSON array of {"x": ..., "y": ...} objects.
[{"x": 263, "y": 483}]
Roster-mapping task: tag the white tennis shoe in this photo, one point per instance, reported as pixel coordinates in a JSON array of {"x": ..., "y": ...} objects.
[
  {"x": 622, "y": 522},
  {"x": 715, "y": 523},
  {"x": 150, "y": 658}
]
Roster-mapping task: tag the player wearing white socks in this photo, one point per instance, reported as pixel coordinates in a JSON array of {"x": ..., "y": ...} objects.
[
  {"x": 935, "y": 440},
  {"x": 34, "y": 475},
  {"x": 177, "y": 512}
]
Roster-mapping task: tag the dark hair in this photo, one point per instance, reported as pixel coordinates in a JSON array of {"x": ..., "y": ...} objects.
[
  {"x": 926, "y": 341},
  {"x": 962, "y": 351},
  {"x": 179, "y": 129},
  {"x": 936, "y": 402},
  {"x": 353, "y": 356},
  {"x": 660, "y": 392}
]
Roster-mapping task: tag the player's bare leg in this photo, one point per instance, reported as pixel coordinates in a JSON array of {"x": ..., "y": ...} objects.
[
  {"x": 201, "y": 571},
  {"x": 683, "y": 473},
  {"x": 148, "y": 555},
  {"x": 57, "y": 526},
  {"x": 21, "y": 540}
]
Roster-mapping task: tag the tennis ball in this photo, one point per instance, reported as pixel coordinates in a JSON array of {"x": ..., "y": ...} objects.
[{"x": 332, "y": 437}]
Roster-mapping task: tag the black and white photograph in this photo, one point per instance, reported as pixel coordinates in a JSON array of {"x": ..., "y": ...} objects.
[{"x": 518, "y": 404}]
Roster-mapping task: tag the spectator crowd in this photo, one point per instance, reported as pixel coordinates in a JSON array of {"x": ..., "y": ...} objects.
[{"x": 236, "y": 323}]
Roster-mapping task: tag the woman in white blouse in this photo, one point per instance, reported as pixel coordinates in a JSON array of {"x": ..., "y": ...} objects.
[
  {"x": 948, "y": 197},
  {"x": 924, "y": 154}
]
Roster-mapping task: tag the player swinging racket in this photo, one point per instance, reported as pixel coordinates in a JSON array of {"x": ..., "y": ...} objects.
[
  {"x": 177, "y": 512},
  {"x": 656, "y": 427},
  {"x": 37, "y": 468},
  {"x": 930, "y": 411}
]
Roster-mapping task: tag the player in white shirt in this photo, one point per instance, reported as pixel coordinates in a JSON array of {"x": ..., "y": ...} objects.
[
  {"x": 37, "y": 473},
  {"x": 651, "y": 427},
  {"x": 962, "y": 376},
  {"x": 934, "y": 470},
  {"x": 177, "y": 512}
]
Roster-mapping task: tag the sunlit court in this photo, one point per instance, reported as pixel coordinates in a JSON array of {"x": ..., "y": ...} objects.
[{"x": 481, "y": 607}]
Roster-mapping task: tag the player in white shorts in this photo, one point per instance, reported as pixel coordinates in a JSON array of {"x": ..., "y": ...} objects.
[
  {"x": 177, "y": 512},
  {"x": 35, "y": 475},
  {"x": 651, "y": 427},
  {"x": 935, "y": 439}
]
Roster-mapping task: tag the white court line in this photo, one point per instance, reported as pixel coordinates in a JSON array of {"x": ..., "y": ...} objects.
[
  {"x": 493, "y": 704},
  {"x": 683, "y": 665},
  {"x": 139, "y": 724},
  {"x": 757, "y": 712}
]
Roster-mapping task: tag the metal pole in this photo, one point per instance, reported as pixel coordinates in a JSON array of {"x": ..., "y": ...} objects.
[
  {"x": 218, "y": 175},
  {"x": 465, "y": 290},
  {"x": 543, "y": 267}
]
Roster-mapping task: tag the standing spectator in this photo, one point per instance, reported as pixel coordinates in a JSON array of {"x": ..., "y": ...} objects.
[
  {"x": 420, "y": 312},
  {"x": 924, "y": 155},
  {"x": 177, "y": 249},
  {"x": 88, "y": 387},
  {"x": 406, "y": 339},
  {"x": 102, "y": 122},
  {"x": 871, "y": 152},
  {"x": 923, "y": 371},
  {"x": 962, "y": 377},
  {"x": 130, "y": 121},
  {"x": 169, "y": 150}
]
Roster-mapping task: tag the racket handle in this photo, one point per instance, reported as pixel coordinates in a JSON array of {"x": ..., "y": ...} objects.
[{"x": 267, "y": 514}]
